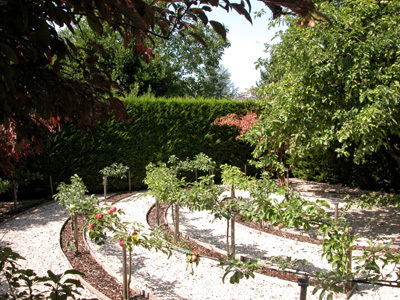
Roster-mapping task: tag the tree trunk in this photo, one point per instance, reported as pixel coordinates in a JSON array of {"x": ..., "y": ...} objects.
[
  {"x": 125, "y": 287},
  {"x": 233, "y": 234},
  {"x": 15, "y": 196},
  {"x": 393, "y": 148},
  {"x": 105, "y": 186},
  {"x": 157, "y": 212},
  {"x": 51, "y": 186},
  {"x": 176, "y": 223},
  {"x": 76, "y": 232},
  {"x": 232, "y": 223},
  {"x": 227, "y": 237},
  {"x": 129, "y": 182}
]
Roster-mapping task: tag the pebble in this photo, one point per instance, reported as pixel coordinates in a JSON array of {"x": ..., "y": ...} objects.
[{"x": 35, "y": 236}]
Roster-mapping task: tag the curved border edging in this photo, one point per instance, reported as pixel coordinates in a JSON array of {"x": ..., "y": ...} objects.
[
  {"x": 210, "y": 247},
  {"x": 86, "y": 284},
  {"x": 95, "y": 257},
  {"x": 132, "y": 287}
]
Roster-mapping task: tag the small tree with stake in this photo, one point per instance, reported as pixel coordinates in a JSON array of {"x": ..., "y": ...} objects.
[
  {"x": 129, "y": 235},
  {"x": 114, "y": 170},
  {"x": 72, "y": 198},
  {"x": 234, "y": 179}
]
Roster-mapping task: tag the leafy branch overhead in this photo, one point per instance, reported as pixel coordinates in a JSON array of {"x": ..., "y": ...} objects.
[
  {"x": 303, "y": 8},
  {"x": 36, "y": 82}
]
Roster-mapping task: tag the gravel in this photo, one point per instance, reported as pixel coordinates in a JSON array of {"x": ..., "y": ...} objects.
[
  {"x": 35, "y": 235},
  {"x": 168, "y": 279}
]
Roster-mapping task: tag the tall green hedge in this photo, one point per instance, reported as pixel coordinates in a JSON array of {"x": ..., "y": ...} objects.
[{"x": 158, "y": 128}]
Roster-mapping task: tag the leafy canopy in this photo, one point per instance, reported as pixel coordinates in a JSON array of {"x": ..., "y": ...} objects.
[
  {"x": 35, "y": 80},
  {"x": 334, "y": 83}
]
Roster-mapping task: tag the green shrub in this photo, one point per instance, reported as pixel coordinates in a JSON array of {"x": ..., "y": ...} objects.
[{"x": 158, "y": 129}]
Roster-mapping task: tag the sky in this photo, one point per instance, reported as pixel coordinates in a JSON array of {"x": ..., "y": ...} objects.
[{"x": 247, "y": 44}]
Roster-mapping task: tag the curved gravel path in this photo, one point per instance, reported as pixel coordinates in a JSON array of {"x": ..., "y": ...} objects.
[
  {"x": 35, "y": 235},
  {"x": 168, "y": 279}
]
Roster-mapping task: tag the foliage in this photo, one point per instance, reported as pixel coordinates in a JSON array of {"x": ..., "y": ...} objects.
[
  {"x": 201, "y": 162},
  {"x": 72, "y": 197},
  {"x": 239, "y": 269},
  {"x": 214, "y": 83},
  {"x": 23, "y": 283},
  {"x": 163, "y": 183},
  {"x": 13, "y": 153},
  {"x": 115, "y": 170},
  {"x": 324, "y": 85},
  {"x": 172, "y": 68},
  {"x": 104, "y": 219},
  {"x": 233, "y": 177},
  {"x": 378, "y": 172},
  {"x": 35, "y": 74},
  {"x": 242, "y": 122},
  {"x": 5, "y": 185},
  {"x": 159, "y": 128}
]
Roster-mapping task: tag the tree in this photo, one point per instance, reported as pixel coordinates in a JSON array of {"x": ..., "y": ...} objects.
[
  {"x": 334, "y": 84},
  {"x": 171, "y": 67},
  {"x": 215, "y": 83},
  {"x": 35, "y": 81}
]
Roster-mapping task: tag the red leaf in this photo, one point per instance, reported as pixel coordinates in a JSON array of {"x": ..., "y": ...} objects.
[{"x": 219, "y": 28}]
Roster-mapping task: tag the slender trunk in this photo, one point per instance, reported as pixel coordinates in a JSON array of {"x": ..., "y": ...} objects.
[
  {"x": 227, "y": 238},
  {"x": 130, "y": 273},
  {"x": 157, "y": 212},
  {"x": 125, "y": 292},
  {"x": 105, "y": 187},
  {"x": 233, "y": 234},
  {"x": 15, "y": 196},
  {"x": 232, "y": 222},
  {"x": 287, "y": 175},
  {"x": 75, "y": 220},
  {"x": 195, "y": 175},
  {"x": 176, "y": 223},
  {"x": 393, "y": 150},
  {"x": 51, "y": 186},
  {"x": 129, "y": 181}
]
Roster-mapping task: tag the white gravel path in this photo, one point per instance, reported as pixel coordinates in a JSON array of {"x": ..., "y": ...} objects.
[
  {"x": 167, "y": 279},
  {"x": 35, "y": 235}
]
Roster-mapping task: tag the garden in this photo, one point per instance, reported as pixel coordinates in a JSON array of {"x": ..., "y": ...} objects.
[
  {"x": 151, "y": 182},
  {"x": 159, "y": 243}
]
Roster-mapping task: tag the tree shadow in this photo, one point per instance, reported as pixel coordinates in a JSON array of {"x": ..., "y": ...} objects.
[{"x": 42, "y": 215}]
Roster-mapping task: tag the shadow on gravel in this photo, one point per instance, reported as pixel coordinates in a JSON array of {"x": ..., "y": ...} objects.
[{"x": 39, "y": 216}]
